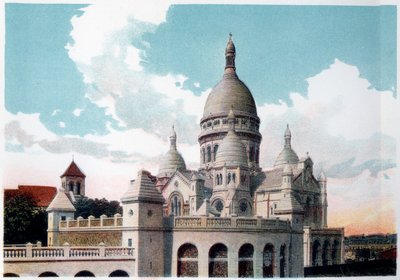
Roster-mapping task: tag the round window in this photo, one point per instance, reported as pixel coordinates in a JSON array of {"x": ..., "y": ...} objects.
[
  {"x": 243, "y": 207},
  {"x": 219, "y": 205}
]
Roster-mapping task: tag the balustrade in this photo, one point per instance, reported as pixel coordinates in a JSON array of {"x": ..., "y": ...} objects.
[{"x": 67, "y": 252}]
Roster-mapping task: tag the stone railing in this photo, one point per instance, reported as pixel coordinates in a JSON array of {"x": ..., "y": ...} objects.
[
  {"x": 234, "y": 222},
  {"x": 67, "y": 252},
  {"x": 92, "y": 222}
]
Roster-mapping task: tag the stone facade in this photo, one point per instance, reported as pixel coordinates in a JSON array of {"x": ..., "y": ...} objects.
[{"x": 229, "y": 218}]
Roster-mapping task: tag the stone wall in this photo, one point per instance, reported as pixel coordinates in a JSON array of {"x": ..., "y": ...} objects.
[{"x": 91, "y": 238}]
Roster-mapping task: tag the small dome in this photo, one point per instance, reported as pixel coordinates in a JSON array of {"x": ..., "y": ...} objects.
[
  {"x": 230, "y": 92},
  {"x": 172, "y": 160},
  {"x": 287, "y": 155},
  {"x": 232, "y": 151}
]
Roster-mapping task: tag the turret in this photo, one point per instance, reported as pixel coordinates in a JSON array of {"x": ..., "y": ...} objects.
[
  {"x": 60, "y": 209},
  {"x": 324, "y": 199},
  {"x": 142, "y": 207}
]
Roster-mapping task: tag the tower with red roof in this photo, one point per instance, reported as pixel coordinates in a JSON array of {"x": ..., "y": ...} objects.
[{"x": 73, "y": 180}]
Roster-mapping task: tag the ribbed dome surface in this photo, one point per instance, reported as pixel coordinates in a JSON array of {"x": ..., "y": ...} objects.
[
  {"x": 231, "y": 152},
  {"x": 172, "y": 161},
  {"x": 287, "y": 155},
  {"x": 229, "y": 93}
]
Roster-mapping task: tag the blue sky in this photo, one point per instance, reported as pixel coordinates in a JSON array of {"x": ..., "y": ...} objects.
[
  {"x": 105, "y": 82},
  {"x": 278, "y": 48}
]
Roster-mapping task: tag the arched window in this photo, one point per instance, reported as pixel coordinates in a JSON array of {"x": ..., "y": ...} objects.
[
  {"x": 84, "y": 273},
  {"x": 251, "y": 155},
  {"x": 268, "y": 261},
  {"x": 119, "y": 273},
  {"x": 220, "y": 179},
  {"x": 218, "y": 261},
  {"x": 48, "y": 274},
  {"x": 326, "y": 253},
  {"x": 70, "y": 187},
  {"x": 208, "y": 153},
  {"x": 228, "y": 179},
  {"x": 244, "y": 208},
  {"x": 176, "y": 205},
  {"x": 282, "y": 261},
  {"x": 215, "y": 151},
  {"x": 257, "y": 159},
  {"x": 336, "y": 252},
  {"x": 187, "y": 261},
  {"x": 234, "y": 177},
  {"x": 218, "y": 205},
  {"x": 203, "y": 155},
  {"x": 316, "y": 253},
  {"x": 246, "y": 261},
  {"x": 78, "y": 188}
]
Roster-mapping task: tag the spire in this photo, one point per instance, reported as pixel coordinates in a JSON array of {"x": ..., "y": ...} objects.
[
  {"x": 230, "y": 53},
  {"x": 288, "y": 137},
  {"x": 322, "y": 177},
  {"x": 172, "y": 138}
]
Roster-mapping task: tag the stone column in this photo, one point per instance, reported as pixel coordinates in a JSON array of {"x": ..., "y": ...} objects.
[
  {"x": 29, "y": 250},
  {"x": 258, "y": 262},
  {"x": 233, "y": 262},
  {"x": 203, "y": 261}
]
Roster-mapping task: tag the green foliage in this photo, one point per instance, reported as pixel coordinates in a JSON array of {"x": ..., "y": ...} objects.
[
  {"x": 96, "y": 207},
  {"x": 23, "y": 222}
]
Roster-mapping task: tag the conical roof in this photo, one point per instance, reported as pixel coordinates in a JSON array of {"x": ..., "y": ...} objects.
[
  {"x": 73, "y": 170},
  {"x": 61, "y": 202},
  {"x": 142, "y": 189},
  {"x": 172, "y": 160}
]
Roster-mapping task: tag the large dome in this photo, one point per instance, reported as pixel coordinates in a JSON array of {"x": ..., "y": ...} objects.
[{"x": 229, "y": 93}]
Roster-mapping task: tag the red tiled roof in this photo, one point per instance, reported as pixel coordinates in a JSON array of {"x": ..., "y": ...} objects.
[
  {"x": 73, "y": 170},
  {"x": 43, "y": 195}
]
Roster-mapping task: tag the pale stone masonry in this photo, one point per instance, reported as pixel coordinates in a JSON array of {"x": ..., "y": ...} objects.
[{"x": 229, "y": 218}]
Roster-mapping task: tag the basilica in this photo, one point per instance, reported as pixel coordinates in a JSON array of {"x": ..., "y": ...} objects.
[{"x": 229, "y": 218}]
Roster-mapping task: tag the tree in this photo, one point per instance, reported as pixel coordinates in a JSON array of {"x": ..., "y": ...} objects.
[
  {"x": 23, "y": 221},
  {"x": 96, "y": 207}
]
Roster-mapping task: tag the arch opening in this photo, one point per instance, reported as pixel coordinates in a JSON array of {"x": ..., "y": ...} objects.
[
  {"x": 218, "y": 261},
  {"x": 48, "y": 274},
  {"x": 119, "y": 273},
  {"x": 246, "y": 253},
  {"x": 268, "y": 261},
  {"x": 84, "y": 273},
  {"x": 187, "y": 261}
]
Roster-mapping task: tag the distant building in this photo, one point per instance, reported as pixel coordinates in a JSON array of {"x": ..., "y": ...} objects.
[
  {"x": 42, "y": 195},
  {"x": 360, "y": 248}
]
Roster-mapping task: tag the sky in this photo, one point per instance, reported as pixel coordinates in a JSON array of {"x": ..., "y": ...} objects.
[{"x": 104, "y": 83}]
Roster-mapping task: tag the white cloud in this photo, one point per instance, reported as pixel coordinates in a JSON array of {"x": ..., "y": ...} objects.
[
  {"x": 61, "y": 124},
  {"x": 77, "y": 112},
  {"x": 340, "y": 118},
  {"x": 55, "y": 112}
]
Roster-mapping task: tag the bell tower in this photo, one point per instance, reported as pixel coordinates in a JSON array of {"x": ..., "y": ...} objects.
[{"x": 73, "y": 180}]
